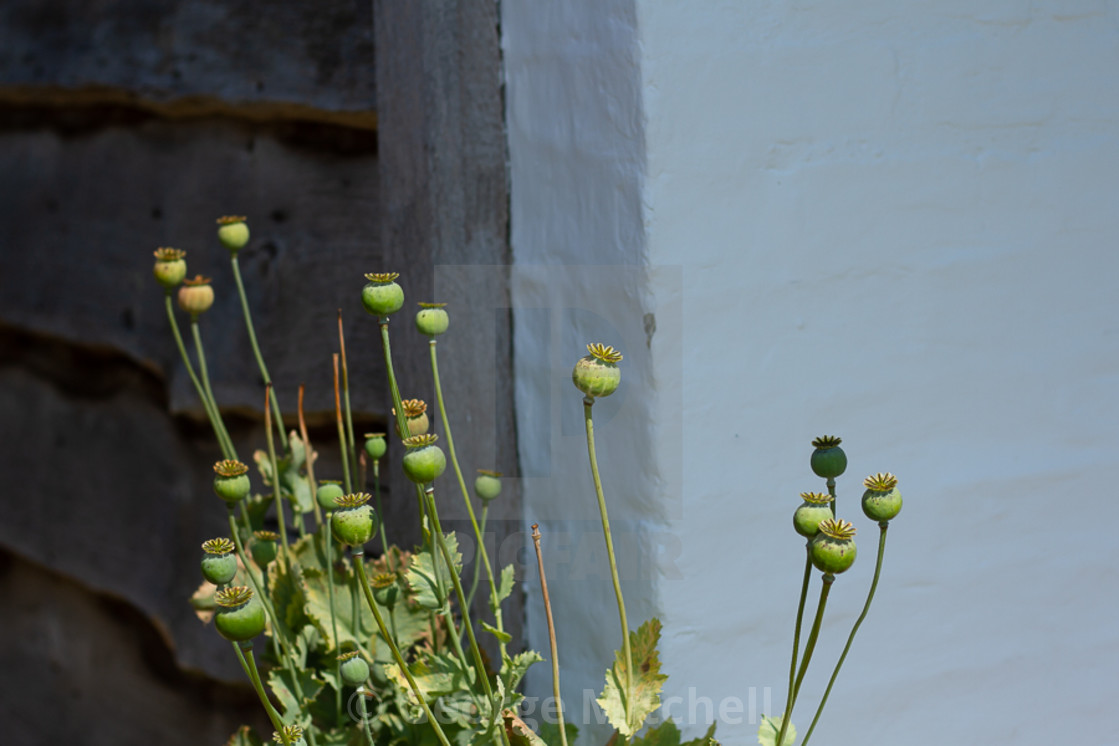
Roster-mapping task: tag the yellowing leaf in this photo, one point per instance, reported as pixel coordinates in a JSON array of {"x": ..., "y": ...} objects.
[{"x": 627, "y": 711}]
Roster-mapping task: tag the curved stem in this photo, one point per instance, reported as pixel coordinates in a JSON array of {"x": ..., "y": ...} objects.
[
  {"x": 495, "y": 607},
  {"x": 329, "y": 540},
  {"x": 551, "y": 635},
  {"x": 365, "y": 715},
  {"x": 477, "y": 562},
  {"x": 800, "y": 619},
  {"x": 380, "y": 511},
  {"x": 223, "y": 434},
  {"x": 588, "y": 402},
  {"x": 401, "y": 421},
  {"x": 194, "y": 378},
  {"x": 254, "y": 677},
  {"x": 808, "y": 648},
  {"x": 363, "y": 581},
  {"x": 442, "y": 543},
  {"x": 275, "y": 476},
  {"x": 883, "y": 525},
  {"x": 256, "y": 350},
  {"x": 308, "y": 456},
  {"x": 258, "y": 587}
]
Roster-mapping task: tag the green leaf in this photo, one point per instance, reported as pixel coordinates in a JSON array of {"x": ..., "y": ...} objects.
[
  {"x": 770, "y": 728},
  {"x": 549, "y": 733},
  {"x": 502, "y": 636},
  {"x": 505, "y": 587},
  {"x": 282, "y": 684},
  {"x": 647, "y": 681},
  {"x": 421, "y": 575},
  {"x": 245, "y": 736},
  {"x": 665, "y": 734},
  {"x": 293, "y": 485},
  {"x": 288, "y": 595},
  {"x": 708, "y": 738},
  {"x": 513, "y": 670},
  {"x": 435, "y": 675}
]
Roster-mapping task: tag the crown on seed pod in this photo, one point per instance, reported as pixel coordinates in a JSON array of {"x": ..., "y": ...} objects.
[
  {"x": 233, "y": 232},
  {"x": 382, "y": 296},
  {"x": 828, "y": 459},
  {"x": 170, "y": 267},
  {"x": 597, "y": 374},
  {"x": 289, "y": 734},
  {"x": 882, "y": 499},
  {"x": 217, "y": 546},
  {"x": 424, "y": 460}
]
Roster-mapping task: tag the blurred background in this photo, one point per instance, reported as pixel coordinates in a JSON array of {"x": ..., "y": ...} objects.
[{"x": 890, "y": 222}]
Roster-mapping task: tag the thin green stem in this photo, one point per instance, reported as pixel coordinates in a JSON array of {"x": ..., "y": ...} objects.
[
  {"x": 260, "y": 589},
  {"x": 204, "y": 372},
  {"x": 241, "y": 657},
  {"x": 394, "y": 390},
  {"x": 365, "y": 715},
  {"x": 380, "y": 510},
  {"x": 275, "y": 476},
  {"x": 477, "y": 561},
  {"x": 551, "y": 635},
  {"x": 256, "y": 350},
  {"x": 442, "y": 543},
  {"x": 329, "y": 541},
  {"x": 588, "y": 403},
  {"x": 831, "y": 491},
  {"x": 309, "y": 461},
  {"x": 495, "y": 606},
  {"x": 363, "y": 581},
  {"x": 800, "y": 618},
  {"x": 210, "y": 415},
  {"x": 254, "y": 677},
  {"x": 809, "y": 647},
  {"x": 883, "y": 526}
]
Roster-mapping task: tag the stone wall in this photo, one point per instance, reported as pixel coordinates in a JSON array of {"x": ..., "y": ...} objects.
[{"x": 356, "y": 139}]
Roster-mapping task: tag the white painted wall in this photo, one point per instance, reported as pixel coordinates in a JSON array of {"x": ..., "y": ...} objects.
[{"x": 895, "y": 222}]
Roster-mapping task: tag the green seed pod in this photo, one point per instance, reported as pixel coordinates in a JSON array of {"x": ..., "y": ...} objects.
[
  {"x": 327, "y": 494},
  {"x": 289, "y": 735},
  {"x": 424, "y": 460},
  {"x": 828, "y": 460},
  {"x": 381, "y": 296},
  {"x": 240, "y": 615},
  {"x": 353, "y": 522},
  {"x": 264, "y": 547},
  {"x": 170, "y": 267},
  {"x": 882, "y": 500},
  {"x": 598, "y": 374},
  {"x": 219, "y": 565},
  {"x": 233, "y": 232},
  {"x": 375, "y": 445},
  {"x": 354, "y": 668},
  {"x": 231, "y": 482},
  {"x": 385, "y": 589},
  {"x": 833, "y": 549},
  {"x": 487, "y": 485},
  {"x": 415, "y": 415},
  {"x": 432, "y": 319},
  {"x": 196, "y": 296},
  {"x": 815, "y": 508}
]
